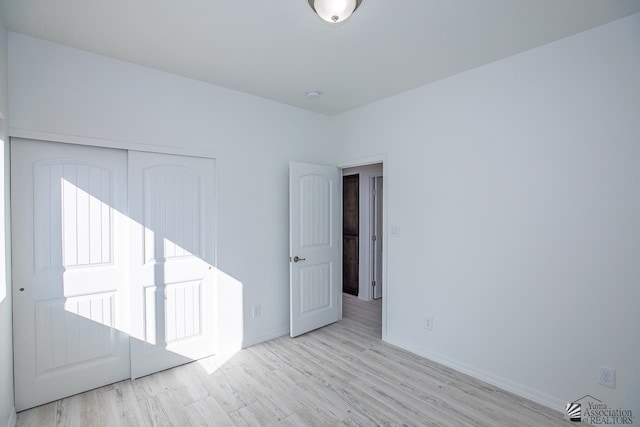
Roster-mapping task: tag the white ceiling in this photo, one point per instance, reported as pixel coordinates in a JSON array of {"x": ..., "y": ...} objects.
[{"x": 279, "y": 49}]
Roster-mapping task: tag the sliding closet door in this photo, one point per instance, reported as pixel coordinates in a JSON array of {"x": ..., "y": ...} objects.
[
  {"x": 112, "y": 266},
  {"x": 171, "y": 204},
  {"x": 70, "y": 296}
]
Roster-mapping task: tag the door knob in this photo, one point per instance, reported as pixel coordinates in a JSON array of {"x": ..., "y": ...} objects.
[{"x": 297, "y": 259}]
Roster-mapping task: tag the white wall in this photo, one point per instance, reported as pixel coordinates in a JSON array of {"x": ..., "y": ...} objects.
[
  {"x": 364, "y": 182},
  {"x": 515, "y": 188},
  {"x": 7, "y": 412},
  {"x": 63, "y": 93}
]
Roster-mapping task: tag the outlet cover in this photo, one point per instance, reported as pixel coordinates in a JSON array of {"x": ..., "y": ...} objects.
[
  {"x": 428, "y": 323},
  {"x": 607, "y": 377},
  {"x": 256, "y": 311}
]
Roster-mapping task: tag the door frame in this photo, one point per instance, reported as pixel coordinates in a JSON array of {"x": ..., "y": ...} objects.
[
  {"x": 376, "y": 249},
  {"x": 365, "y": 161}
]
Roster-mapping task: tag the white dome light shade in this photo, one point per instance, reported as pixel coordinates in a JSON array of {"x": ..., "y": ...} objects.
[{"x": 334, "y": 11}]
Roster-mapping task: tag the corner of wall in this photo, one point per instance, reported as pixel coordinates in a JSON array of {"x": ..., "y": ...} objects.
[{"x": 13, "y": 418}]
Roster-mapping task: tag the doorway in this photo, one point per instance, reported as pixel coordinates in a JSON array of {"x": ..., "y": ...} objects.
[
  {"x": 362, "y": 231},
  {"x": 316, "y": 293}
]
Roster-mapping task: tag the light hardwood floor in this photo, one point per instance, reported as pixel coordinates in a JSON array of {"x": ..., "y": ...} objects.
[{"x": 340, "y": 374}]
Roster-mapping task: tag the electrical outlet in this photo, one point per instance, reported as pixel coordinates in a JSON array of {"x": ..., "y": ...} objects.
[
  {"x": 607, "y": 377},
  {"x": 256, "y": 311},
  {"x": 428, "y": 323}
]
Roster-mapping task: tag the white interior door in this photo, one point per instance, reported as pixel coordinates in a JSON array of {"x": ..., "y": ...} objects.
[
  {"x": 315, "y": 218},
  {"x": 69, "y": 269},
  {"x": 171, "y": 204}
]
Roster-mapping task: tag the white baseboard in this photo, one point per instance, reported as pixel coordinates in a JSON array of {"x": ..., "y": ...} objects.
[
  {"x": 248, "y": 342},
  {"x": 12, "y": 419},
  {"x": 552, "y": 402}
]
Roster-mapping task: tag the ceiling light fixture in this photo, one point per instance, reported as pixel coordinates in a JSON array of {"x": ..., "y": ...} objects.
[
  {"x": 334, "y": 11},
  {"x": 313, "y": 94}
]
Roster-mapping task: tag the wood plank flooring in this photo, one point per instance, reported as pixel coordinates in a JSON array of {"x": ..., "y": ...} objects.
[{"x": 342, "y": 374}]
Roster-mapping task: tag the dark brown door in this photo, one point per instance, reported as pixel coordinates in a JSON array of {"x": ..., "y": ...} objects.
[{"x": 350, "y": 233}]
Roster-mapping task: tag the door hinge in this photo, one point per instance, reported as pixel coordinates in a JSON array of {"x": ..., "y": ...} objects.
[
  {"x": 373, "y": 283},
  {"x": 374, "y": 193},
  {"x": 374, "y": 237}
]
